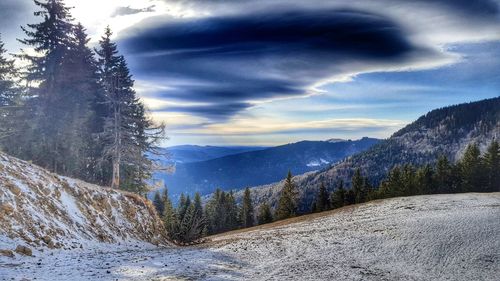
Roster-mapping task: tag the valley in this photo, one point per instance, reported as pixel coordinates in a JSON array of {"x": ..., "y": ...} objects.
[{"x": 256, "y": 166}]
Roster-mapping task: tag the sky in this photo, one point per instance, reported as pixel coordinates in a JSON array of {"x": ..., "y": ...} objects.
[{"x": 269, "y": 72}]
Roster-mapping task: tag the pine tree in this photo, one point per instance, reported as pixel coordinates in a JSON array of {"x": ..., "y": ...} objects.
[
  {"x": 52, "y": 40},
  {"x": 424, "y": 180},
  {"x": 128, "y": 133},
  {"x": 181, "y": 207},
  {"x": 265, "y": 215},
  {"x": 287, "y": 205},
  {"x": 192, "y": 224},
  {"x": 408, "y": 184},
  {"x": 358, "y": 187},
  {"x": 10, "y": 102},
  {"x": 197, "y": 203},
  {"x": 170, "y": 217},
  {"x": 83, "y": 104},
  {"x": 350, "y": 197},
  {"x": 199, "y": 214},
  {"x": 392, "y": 185},
  {"x": 322, "y": 202},
  {"x": 443, "y": 177},
  {"x": 232, "y": 220},
  {"x": 338, "y": 197},
  {"x": 471, "y": 169},
  {"x": 61, "y": 101},
  {"x": 247, "y": 211},
  {"x": 221, "y": 213},
  {"x": 159, "y": 203},
  {"x": 491, "y": 160}
]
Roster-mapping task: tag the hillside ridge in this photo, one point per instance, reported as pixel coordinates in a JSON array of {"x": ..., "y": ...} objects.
[
  {"x": 42, "y": 210},
  {"x": 445, "y": 131},
  {"x": 261, "y": 166}
]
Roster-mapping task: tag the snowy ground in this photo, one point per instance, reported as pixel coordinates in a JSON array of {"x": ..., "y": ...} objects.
[{"x": 439, "y": 237}]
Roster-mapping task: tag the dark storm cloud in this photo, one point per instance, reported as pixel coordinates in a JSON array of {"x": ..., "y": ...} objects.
[
  {"x": 345, "y": 31},
  {"x": 124, "y": 11},
  {"x": 233, "y": 60},
  {"x": 474, "y": 8},
  {"x": 212, "y": 111}
]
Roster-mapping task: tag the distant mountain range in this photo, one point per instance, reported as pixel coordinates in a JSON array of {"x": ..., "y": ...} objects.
[
  {"x": 196, "y": 153},
  {"x": 445, "y": 131},
  {"x": 255, "y": 166}
]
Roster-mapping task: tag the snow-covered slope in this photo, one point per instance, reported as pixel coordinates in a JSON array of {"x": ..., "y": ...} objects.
[
  {"x": 435, "y": 237},
  {"x": 41, "y": 210}
]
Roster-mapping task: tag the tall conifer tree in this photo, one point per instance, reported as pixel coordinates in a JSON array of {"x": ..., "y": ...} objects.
[
  {"x": 287, "y": 205},
  {"x": 265, "y": 214},
  {"x": 491, "y": 160},
  {"x": 128, "y": 133},
  {"x": 471, "y": 169},
  {"x": 322, "y": 200},
  {"x": 10, "y": 102},
  {"x": 51, "y": 39},
  {"x": 247, "y": 211}
]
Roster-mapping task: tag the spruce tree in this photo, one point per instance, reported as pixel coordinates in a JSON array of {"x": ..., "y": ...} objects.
[
  {"x": 198, "y": 208},
  {"x": 83, "y": 104},
  {"x": 247, "y": 210},
  {"x": 191, "y": 225},
  {"x": 221, "y": 212},
  {"x": 62, "y": 95},
  {"x": 338, "y": 197},
  {"x": 408, "y": 181},
  {"x": 287, "y": 205},
  {"x": 159, "y": 203},
  {"x": 232, "y": 219},
  {"x": 392, "y": 185},
  {"x": 350, "y": 197},
  {"x": 491, "y": 160},
  {"x": 424, "y": 180},
  {"x": 52, "y": 40},
  {"x": 471, "y": 169},
  {"x": 10, "y": 102},
  {"x": 181, "y": 207},
  {"x": 170, "y": 217},
  {"x": 265, "y": 215},
  {"x": 128, "y": 133},
  {"x": 358, "y": 187},
  {"x": 322, "y": 202},
  {"x": 443, "y": 177}
]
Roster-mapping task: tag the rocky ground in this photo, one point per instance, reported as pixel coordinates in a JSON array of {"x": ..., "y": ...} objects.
[{"x": 435, "y": 237}]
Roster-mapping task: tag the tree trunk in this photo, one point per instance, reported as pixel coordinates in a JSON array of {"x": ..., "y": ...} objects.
[
  {"x": 115, "y": 183},
  {"x": 116, "y": 174}
]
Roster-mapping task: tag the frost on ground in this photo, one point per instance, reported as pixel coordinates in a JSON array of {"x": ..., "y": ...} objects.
[
  {"x": 43, "y": 211},
  {"x": 435, "y": 237}
]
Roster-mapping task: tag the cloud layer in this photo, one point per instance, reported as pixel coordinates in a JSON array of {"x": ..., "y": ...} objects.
[
  {"x": 266, "y": 71},
  {"x": 231, "y": 62}
]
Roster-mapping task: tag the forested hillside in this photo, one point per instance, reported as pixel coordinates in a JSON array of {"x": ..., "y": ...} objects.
[{"x": 442, "y": 132}]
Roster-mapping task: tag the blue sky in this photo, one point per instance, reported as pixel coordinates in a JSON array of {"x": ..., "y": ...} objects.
[{"x": 271, "y": 72}]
